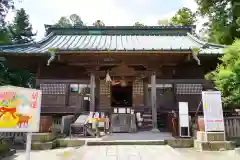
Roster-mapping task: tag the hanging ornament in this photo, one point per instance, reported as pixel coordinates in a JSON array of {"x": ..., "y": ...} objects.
[{"x": 108, "y": 78}]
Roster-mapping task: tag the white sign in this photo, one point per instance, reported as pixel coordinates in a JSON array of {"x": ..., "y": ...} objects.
[
  {"x": 183, "y": 114},
  {"x": 212, "y": 110},
  {"x": 183, "y": 120},
  {"x": 19, "y": 109}
]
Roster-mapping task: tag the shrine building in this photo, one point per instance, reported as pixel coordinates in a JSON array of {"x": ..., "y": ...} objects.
[{"x": 110, "y": 69}]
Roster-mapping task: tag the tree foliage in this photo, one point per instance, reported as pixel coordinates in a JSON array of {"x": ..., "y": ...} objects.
[
  {"x": 21, "y": 29},
  {"x": 16, "y": 77},
  {"x": 138, "y": 24},
  {"x": 76, "y": 20},
  {"x": 5, "y": 5},
  {"x": 5, "y": 36},
  {"x": 73, "y": 20},
  {"x": 98, "y": 23},
  {"x": 183, "y": 17},
  {"x": 222, "y": 14},
  {"x": 226, "y": 77}
]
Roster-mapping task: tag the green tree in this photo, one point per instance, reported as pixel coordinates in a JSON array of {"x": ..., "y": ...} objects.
[
  {"x": 226, "y": 77},
  {"x": 183, "y": 17},
  {"x": 98, "y": 23},
  {"x": 5, "y": 36},
  {"x": 5, "y": 5},
  {"x": 222, "y": 16},
  {"x": 73, "y": 20},
  {"x": 15, "y": 77},
  {"x": 63, "y": 22},
  {"x": 138, "y": 24},
  {"x": 76, "y": 20},
  {"x": 21, "y": 29}
]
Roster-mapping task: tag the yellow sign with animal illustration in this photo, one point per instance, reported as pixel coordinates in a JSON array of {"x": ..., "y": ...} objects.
[{"x": 19, "y": 109}]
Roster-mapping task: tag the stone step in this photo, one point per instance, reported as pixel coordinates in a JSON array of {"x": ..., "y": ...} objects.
[
  {"x": 147, "y": 120},
  {"x": 146, "y": 115},
  {"x": 214, "y": 145},
  {"x": 126, "y": 142}
]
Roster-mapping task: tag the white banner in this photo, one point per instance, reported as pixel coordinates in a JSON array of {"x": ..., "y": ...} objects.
[{"x": 213, "y": 112}]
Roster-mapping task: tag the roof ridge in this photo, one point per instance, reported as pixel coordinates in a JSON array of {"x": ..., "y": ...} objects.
[
  {"x": 203, "y": 42},
  {"x": 46, "y": 38},
  {"x": 122, "y": 27}
]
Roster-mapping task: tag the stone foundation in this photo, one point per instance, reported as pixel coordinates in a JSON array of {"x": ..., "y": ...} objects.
[
  {"x": 210, "y": 136},
  {"x": 212, "y": 141},
  {"x": 214, "y": 145},
  {"x": 43, "y": 141},
  {"x": 68, "y": 142},
  {"x": 44, "y": 145},
  {"x": 180, "y": 143}
]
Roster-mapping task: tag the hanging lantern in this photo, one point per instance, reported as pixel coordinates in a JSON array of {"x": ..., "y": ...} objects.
[
  {"x": 108, "y": 78},
  {"x": 123, "y": 83}
]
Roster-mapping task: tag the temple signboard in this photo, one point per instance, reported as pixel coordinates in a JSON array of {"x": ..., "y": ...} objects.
[
  {"x": 19, "y": 109},
  {"x": 213, "y": 112}
]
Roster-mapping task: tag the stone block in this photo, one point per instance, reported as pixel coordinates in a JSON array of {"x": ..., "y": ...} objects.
[
  {"x": 180, "y": 143},
  {"x": 70, "y": 142},
  {"x": 214, "y": 145},
  {"x": 127, "y": 142},
  {"x": 43, "y": 137},
  {"x": 44, "y": 145},
  {"x": 210, "y": 136},
  {"x": 236, "y": 140},
  {"x": 237, "y": 150},
  {"x": 9, "y": 153}
]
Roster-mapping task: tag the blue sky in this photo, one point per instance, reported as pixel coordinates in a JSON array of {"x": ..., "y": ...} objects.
[{"x": 111, "y": 12}]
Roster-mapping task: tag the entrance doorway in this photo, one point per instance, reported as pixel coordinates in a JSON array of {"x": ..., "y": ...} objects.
[{"x": 121, "y": 96}]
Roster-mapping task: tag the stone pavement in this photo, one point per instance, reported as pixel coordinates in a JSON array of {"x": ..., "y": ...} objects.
[{"x": 126, "y": 153}]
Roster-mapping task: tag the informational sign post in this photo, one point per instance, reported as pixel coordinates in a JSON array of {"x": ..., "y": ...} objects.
[
  {"x": 20, "y": 111},
  {"x": 184, "y": 119},
  {"x": 213, "y": 112}
]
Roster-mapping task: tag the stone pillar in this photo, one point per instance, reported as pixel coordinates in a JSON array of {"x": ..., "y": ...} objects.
[
  {"x": 154, "y": 100},
  {"x": 92, "y": 92}
]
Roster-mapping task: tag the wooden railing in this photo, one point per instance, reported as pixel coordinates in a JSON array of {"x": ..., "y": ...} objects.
[{"x": 232, "y": 126}]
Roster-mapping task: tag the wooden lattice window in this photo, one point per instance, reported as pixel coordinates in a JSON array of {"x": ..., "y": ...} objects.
[
  {"x": 104, "y": 88},
  {"x": 138, "y": 88},
  {"x": 53, "y": 88},
  {"x": 189, "y": 88}
]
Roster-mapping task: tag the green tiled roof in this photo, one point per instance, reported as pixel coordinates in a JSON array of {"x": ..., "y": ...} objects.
[{"x": 121, "y": 38}]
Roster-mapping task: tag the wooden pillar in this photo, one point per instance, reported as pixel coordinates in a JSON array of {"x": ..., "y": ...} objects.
[
  {"x": 154, "y": 101},
  {"x": 92, "y": 92}
]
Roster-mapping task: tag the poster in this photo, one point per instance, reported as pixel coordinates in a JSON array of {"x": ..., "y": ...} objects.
[
  {"x": 212, "y": 110},
  {"x": 19, "y": 109}
]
